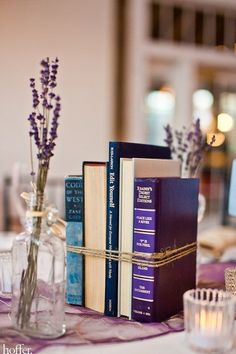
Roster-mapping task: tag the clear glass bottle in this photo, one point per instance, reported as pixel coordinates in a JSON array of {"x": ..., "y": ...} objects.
[{"x": 37, "y": 307}]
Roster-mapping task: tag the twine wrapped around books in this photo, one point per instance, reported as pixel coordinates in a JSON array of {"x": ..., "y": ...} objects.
[{"x": 154, "y": 260}]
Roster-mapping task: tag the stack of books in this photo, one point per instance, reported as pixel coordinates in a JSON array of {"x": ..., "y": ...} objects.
[{"x": 135, "y": 202}]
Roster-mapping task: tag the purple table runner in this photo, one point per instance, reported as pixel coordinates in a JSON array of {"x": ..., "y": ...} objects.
[
  {"x": 85, "y": 326},
  {"x": 212, "y": 275}
]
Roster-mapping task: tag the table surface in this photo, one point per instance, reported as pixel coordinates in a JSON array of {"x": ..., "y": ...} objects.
[
  {"x": 174, "y": 343},
  {"x": 168, "y": 344},
  {"x": 163, "y": 344}
]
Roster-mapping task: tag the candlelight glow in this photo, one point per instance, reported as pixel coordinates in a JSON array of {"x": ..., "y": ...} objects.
[
  {"x": 224, "y": 122},
  {"x": 209, "y": 321},
  {"x": 219, "y": 139}
]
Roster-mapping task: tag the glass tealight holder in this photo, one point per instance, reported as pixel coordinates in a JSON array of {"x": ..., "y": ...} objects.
[
  {"x": 209, "y": 320},
  {"x": 230, "y": 280}
]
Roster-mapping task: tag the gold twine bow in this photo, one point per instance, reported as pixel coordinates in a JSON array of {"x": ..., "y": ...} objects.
[
  {"x": 58, "y": 228},
  {"x": 154, "y": 260}
]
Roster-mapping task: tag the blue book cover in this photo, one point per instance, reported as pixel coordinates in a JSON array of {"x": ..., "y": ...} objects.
[
  {"x": 116, "y": 151},
  {"x": 232, "y": 191},
  {"x": 74, "y": 237}
]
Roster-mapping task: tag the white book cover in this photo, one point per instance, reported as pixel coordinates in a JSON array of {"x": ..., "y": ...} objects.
[{"x": 131, "y": 168}]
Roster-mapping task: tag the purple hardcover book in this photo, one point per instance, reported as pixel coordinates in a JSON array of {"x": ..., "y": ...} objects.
[{"x": 165, "y": 217}]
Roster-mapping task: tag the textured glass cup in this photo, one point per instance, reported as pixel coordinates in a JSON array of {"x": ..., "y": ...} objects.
[
  {"x": 230, "y": 280},
  {"x": 209, "y": 320}
]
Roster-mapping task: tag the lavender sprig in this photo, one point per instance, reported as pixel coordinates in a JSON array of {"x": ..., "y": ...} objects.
[
  {"x": 188, "y": 146},
  {"x": 43, "y": 130},
  {"x": 43, "y": 133}
]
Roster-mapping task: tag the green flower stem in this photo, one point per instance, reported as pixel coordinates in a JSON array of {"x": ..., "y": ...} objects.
[{"x": 29, "y": 276}]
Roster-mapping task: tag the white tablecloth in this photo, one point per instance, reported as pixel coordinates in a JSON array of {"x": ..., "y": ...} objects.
[{"x": 167, "y": 344}]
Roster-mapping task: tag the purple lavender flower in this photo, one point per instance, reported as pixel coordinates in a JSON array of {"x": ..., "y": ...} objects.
[
  {"x": 169, "y": 138},
  {"x": 46, "y": 112},
  {"x": 188, "y": 146}
]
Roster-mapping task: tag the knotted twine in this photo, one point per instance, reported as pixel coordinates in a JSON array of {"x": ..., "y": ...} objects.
[
  {"x": 154, "y": 260},
  {"x": 57, "y": 227}
]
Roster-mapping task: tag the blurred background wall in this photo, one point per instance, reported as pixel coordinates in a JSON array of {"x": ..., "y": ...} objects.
[
  {"x": 127, "y": 68},
  {"x": 81, "y": 33},
  {"x": 179, "y": 66}
]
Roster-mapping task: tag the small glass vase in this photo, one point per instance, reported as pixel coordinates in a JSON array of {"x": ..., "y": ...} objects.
[{"x": 38, "y": 275}]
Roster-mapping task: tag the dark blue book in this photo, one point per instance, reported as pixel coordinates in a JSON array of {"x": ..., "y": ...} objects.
[
  {"x": 74, "y": 237},
  {"x": 116, "y": 151},
  {"x": 165, "y": 217}
]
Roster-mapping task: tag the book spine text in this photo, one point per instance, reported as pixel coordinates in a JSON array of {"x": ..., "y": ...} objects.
[
  {"x": 144, "y": 235},
  {"x": 74, "y": 237},
  {"x": 112, "y": 230}
]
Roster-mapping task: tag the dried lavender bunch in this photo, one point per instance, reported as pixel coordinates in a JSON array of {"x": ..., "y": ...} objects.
[
  {"x": 43, "y": 131},
  {"x": 188, "y": 146}
]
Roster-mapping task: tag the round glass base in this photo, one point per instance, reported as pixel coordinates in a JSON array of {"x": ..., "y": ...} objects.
[
  {"x": 210, "y": 349},
  {"x": 42, "y": 332}
]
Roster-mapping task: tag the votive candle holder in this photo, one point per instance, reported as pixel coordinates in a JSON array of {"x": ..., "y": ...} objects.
[
  {"x": 209, "y": 320},
  {"x": 230, "y": 280}
]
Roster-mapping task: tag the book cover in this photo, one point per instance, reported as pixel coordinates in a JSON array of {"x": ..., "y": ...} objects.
[
  {"x": 74, "y": 237},
  {"x": 131, "y": 168},
  {"x": 232, "y": 190},
  {"x": 165, "y": 217},
  {"x": 95, "y": 204},
  {"x": 116, "y": 151}
]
